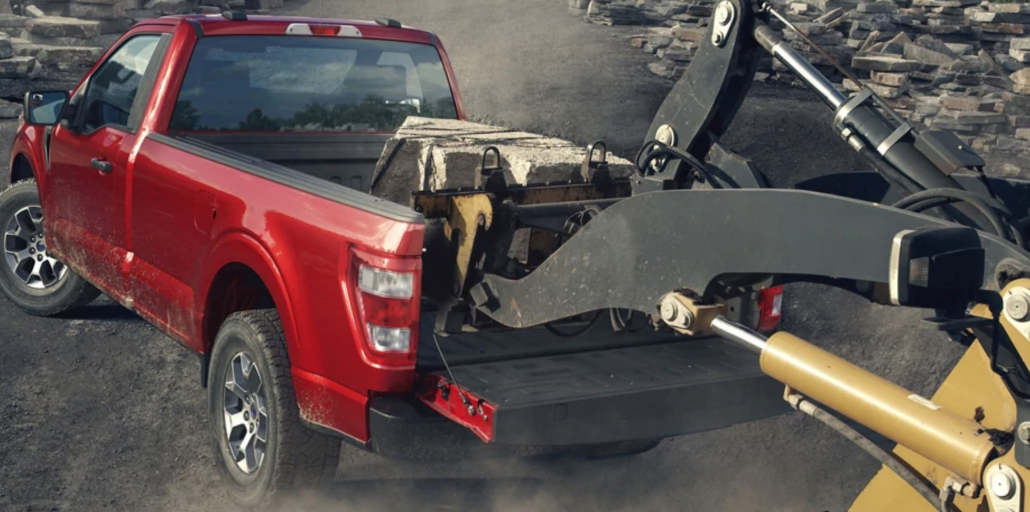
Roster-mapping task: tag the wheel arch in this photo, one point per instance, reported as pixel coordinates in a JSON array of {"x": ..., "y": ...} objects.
[
  {"x": 239, "y": 274},
  {"x": 21, "y": 168}
]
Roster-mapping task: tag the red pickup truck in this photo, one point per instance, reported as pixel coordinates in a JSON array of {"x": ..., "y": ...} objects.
[{"x": 211, "y": 173}]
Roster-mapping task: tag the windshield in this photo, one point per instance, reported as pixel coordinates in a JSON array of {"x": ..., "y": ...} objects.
[{"x": 291, "y": 83}]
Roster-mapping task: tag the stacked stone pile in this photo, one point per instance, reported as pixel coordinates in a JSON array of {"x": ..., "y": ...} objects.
[
  {"x": 50, "y": 44},
  {"x": 960, "y": 65}
]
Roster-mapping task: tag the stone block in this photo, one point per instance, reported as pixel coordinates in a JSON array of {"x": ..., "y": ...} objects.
[
  {"x": 925, "y": 55},
  {"x": 61, "y": 27},
  {"x": 70, "y": 55},
  {"x": 1008, "y": 8},
  {"x": 1004, "y": 28},
  {"x": 968, "y": 103},
  {"x": 967, "y": 64},
  {"x": 1022, "y": 56},
  {"x": 439, "y": 154},
  {"x": 97, "y": 11},
  {"x": 171, "y": 6},
  {"x": 885, "y": 63},
  {"x": 877, "y": 7},
  {"x": 890, "y": 79},
  {"x": 689, "y": 33},
  {"x": 960, "y": 48},
  {"x": 17, "y": 67},
  {"x": 975, "y": 117},
  {"x": 34, "y": 11}
]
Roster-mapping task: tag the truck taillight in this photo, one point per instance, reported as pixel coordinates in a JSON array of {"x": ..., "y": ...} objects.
[
  {"x": 387, "y": 299},
  {"x": 770, "y": 306}
]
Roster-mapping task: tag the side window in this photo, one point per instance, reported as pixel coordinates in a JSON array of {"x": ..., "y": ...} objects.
[{"x": 113, "y": 88}]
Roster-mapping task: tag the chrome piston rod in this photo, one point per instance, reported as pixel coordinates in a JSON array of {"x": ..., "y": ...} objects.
[{"x": 782, "y": 50}]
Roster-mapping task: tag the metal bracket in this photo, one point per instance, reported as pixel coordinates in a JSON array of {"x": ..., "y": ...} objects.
[
  {"x": 687, "y": 317},
  {"x": 724, "y": 17},
  {"x": 845, "y": 110},
  {"x": 1004, "y": 488},
  {"x": 894, "y": 137}
]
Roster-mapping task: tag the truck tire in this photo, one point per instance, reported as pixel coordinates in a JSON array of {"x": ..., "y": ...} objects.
[
  {"x": 250, "y": 397},
  {"x": 36, "y": 282}
]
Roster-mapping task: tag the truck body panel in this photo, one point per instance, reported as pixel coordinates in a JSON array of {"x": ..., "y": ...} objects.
[{"x": 186, "y": 212}]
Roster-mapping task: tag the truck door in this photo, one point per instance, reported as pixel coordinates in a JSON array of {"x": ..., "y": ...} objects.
[{"x": 90, "y": 162}]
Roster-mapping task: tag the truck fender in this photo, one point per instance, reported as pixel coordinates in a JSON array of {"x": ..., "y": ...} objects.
[
  {"x": 242, "y": 249},
  {"x": 28, "y": 145}
]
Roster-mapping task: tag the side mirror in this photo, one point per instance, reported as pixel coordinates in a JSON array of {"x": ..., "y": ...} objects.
[{"x": 45, "y": 108}]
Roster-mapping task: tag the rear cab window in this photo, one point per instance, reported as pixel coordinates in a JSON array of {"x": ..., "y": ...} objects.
[{"x": 308, "y": 83}]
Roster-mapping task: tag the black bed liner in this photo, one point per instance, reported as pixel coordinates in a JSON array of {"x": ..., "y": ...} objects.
[{"x": 604, "y": 386}]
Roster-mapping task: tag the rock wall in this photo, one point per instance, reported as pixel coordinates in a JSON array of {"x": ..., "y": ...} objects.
[
  {"x": 955, "y": 64},
  {"x": 50, "y": 44}
]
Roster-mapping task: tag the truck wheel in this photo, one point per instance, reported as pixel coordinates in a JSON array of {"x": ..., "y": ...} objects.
[
  {"x": 36, "y": 282},
  {"x": 263, "y": 452}
]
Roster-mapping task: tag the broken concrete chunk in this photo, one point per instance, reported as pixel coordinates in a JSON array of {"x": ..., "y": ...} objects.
[
  {"x": 877, "y": 7},
  {"x": 890, "y": 79},
  {"x": 1020, "y": 55},
  {"x": 69, "y": 55},
  {"x": 34, "y": 11},
  {"x": 439, "y": 154},
  {"x": 57, "y": 27},
  {"x": 926, "y": 55},
  {"x": 1021, "y": 77},
  {"x": 968, "y": 103},
  {"x": 885, "y": 63},
  {"x": 976, "y": 117},
  {"x": 171, "y": 6},
  {"x": 967, "y": 64},
  {"x": 17, "y": 67},
  {"x": 97, "y": 11}
]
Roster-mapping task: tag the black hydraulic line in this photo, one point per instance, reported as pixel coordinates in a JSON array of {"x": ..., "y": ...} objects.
[
  {"x": 553, "y": 330},
  {"x": 876, "y": 452},
  {"x": 964, "y": 196},
  {"x": 667, "y": 151},
  {"x": 888, "y": 171},
  {"x": 958, "y": 195}
]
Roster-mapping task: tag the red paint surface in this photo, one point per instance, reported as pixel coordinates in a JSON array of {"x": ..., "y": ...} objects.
[{"x": 143, "y": 234}]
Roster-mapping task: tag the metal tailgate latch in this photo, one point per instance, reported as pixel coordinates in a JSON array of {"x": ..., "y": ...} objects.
[
  {"x": 596, "y": 171},
  {"x": 493, "y": 178}
]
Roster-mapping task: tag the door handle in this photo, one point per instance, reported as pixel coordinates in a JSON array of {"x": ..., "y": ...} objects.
[{"x": 102, "y": 166}]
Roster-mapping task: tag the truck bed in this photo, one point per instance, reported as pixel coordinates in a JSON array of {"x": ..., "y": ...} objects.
[{"x": 603, "y": 386}]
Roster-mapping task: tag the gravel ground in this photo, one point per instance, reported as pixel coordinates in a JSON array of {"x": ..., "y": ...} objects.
[{"x": 99, "y": 411}]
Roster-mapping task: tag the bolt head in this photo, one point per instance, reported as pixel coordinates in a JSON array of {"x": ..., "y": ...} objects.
[
  {"x": 39, "y": 257},
  {"x": 1017, "y": 305},
  {"x": 32, "y": 250},
  {"x": 1023, "y": 432},
  {"x": 723, "y": 14},
  {"x": 669, "y": 311},
  {"x": 1002, "y": 485},
  {"x": 246, "y": 415},
  {"x": 252, "y": 428}
]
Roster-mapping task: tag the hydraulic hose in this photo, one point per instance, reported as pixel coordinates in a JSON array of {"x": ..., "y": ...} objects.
[
  {"x": 960, "y": 195},
  {"x": 863, "y": 442}
]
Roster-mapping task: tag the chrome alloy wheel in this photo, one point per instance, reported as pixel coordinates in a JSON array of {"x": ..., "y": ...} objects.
[
  {"x": 246, "y": 415},
  {"x": 25, "y": 250}
]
